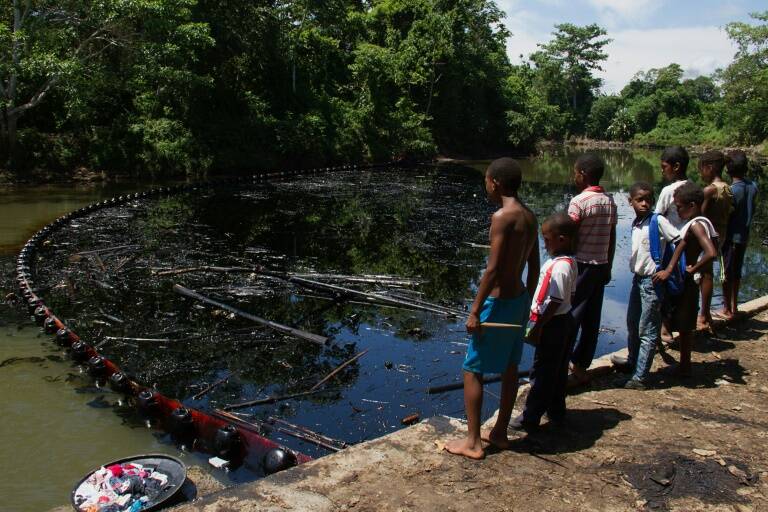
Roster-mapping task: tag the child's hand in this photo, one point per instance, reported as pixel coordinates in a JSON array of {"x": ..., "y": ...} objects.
[
  {"x": 689, "y": 269},
  {"x": 534, "y": 335},
  {"x": 473, "y": 323},
  {"x": 660, "y": 276}
]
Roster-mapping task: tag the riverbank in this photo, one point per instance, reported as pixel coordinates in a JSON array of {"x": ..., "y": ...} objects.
[
  {"x": 696, "y": 445},
  {"x": 758, "y": 153}
]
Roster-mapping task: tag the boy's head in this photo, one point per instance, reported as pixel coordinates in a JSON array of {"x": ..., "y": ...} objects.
[
  {"x": 674, "y": 163},
  {"x": 688, "y": 200},
  {"x": 503, "y": 178},
  {"x": 560, "y": 233},
  {"x": 588, "y": 170},
  {"x": 737, "y": 164},
  {"x": 641, "y": 198},
  {"x": 711, "y": 165}
]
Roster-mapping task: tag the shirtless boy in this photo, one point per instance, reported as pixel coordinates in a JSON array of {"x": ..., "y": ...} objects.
[{"x": 502, "y": 297}]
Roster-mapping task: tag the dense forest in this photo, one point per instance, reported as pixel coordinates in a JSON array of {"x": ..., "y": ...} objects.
[{"x": 185, "y": 86}]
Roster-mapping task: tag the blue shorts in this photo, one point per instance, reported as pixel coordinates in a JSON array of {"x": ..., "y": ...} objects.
[{"x": 494, "y": 350}]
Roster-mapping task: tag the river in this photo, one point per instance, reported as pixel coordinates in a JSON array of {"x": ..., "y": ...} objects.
[{"x": 57, "y": 426}]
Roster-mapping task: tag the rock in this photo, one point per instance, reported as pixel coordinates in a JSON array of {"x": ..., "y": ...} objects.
[{"x": 704, "y": 453}]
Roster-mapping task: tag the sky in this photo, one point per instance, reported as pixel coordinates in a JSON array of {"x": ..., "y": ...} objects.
[{"x": 646, "y": 33}]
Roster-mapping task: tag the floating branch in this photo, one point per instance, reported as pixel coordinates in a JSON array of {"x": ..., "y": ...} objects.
[
  {"x": 339, "y": 368},
  {"x": 460, "y": 385},
  {"x": 273, "y": 399},
  {"x": 314, "y": 338}
]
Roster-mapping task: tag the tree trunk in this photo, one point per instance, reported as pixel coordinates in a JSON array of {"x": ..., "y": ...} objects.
[{"x": 8, "y": 138}]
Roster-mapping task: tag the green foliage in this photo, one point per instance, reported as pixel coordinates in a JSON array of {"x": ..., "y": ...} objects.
[
  {"x": 601, "y": 116},
  {"x": 745, "y": 81},
  {"x": 567, "y": 64},
  {"x": 185, "y": 86}
]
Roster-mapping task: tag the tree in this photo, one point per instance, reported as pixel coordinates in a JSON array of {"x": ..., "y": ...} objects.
[
  {"x": 50, "y": 45},
  {"x": 578, "y": 52},
  {"x": 745, "y": 80}
]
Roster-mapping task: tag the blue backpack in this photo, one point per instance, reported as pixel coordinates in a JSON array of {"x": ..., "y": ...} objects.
[{"x": 676, "y": 281}]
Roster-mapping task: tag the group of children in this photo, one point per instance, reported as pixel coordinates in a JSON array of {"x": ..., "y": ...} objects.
[{"x": 673, "y": 249}]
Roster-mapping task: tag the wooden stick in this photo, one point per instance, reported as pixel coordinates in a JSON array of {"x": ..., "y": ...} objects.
[
  {"x": 307, "y": 438},
  {"x": 213, "y": 385},
  {"x": 256, "y": 427},
  {"x": 204, "y": 268},
  {"x": 368, "y": 296},
  {"x": 314, "y": 338},
  {"x": 107, "y": 249},
  {"x": 272, "y": 399},
  {"x": 497, "y": 325},
  {"x": 339, "y": 368},
  {"x": 460, "y": 385},
  {"x": 307, "y": 431}
]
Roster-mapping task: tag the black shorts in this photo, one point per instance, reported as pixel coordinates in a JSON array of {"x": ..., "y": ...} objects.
[
  {"x": 733, "y": 259},
  {"x": 685, "y": 307}
]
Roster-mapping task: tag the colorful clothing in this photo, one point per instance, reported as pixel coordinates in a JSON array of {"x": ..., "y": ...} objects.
[
  {"x": 666, "y": 203},
  {"x": 595, "y": 212},
  {"x": 557, "y": 281},
  {"x": 493, "y": 350},
  {"x": 640, "y": 261}
]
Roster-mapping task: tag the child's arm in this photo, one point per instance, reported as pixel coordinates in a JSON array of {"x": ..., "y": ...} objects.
[
  {"x": 535, "y": 333},
  {"x": 709, "y": 251},
  {"x": 490, "y": 276},
  {"x": 611, "y": 253},
  {"x": 663, "y": 275},
  {"x": 709, "y": 193},
  {"x": 534, "y": 267}
]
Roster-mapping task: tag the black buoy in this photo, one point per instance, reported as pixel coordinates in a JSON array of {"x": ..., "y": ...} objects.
[
  {"x": 119, "y": 382},
  {"x": 62, "y": 337},
  {"x": 97, "y": 366},
  {"x": 226, "y": 442},
  {"x": 147, "y": 401},
  {"x": 49, "y": 325},
  {"x": 33, "y": 303},
  {"x": 41, "y": 313},
  {"x": 278, "y": 459},
  {"x": 79, "y": 351},
  {"x": 182, "y": 425}
]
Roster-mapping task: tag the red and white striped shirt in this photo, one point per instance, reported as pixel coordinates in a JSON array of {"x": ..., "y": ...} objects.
[{"x": 595, "y": 211}]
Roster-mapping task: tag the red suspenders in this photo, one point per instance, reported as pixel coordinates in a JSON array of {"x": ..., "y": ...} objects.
[{"x": 544, "y": 288}]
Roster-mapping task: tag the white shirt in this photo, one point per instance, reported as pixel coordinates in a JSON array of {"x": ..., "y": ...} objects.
[
  {"x": 641, "y": 262},
  {"x": 666, "y": 203},
  {"x": 708, "y": 226},
  {"x": 562, "y": 285}
]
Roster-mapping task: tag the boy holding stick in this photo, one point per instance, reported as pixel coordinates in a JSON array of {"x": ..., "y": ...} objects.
[{"x": 502, "y": 297}]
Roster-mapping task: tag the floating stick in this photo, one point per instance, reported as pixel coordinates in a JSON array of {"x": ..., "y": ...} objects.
[
  {"x": 338, "y": 369},
  {"x": 272, "y": 399},
  {"x": 460, "y": 385},
  {"x": 314, "y": 338}
]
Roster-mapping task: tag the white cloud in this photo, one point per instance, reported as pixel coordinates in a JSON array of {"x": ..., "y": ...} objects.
[
  {"x": 699, "y": 50},
  {"x": 614, "y": 12}
]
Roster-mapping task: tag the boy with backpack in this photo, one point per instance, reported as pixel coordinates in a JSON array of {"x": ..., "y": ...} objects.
[{"x": 652, "y": 237}]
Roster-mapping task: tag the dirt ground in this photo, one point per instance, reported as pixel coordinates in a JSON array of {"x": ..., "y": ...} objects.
[{"x": 691, "y": 445}]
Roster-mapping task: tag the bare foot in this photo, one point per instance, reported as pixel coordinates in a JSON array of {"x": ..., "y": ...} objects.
[
  {"x": 497, "y": 439},
  {"x": 723, "y": 314},
  {"x": 702, "y": 324},
  {"x": 466, "y": 448}
]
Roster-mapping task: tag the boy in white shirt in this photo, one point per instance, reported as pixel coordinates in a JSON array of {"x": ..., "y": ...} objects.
[
  {"x": 645, "y": 298},
  {"x": 674, "y": 166},
  {"x": 551, "y": 324}
]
